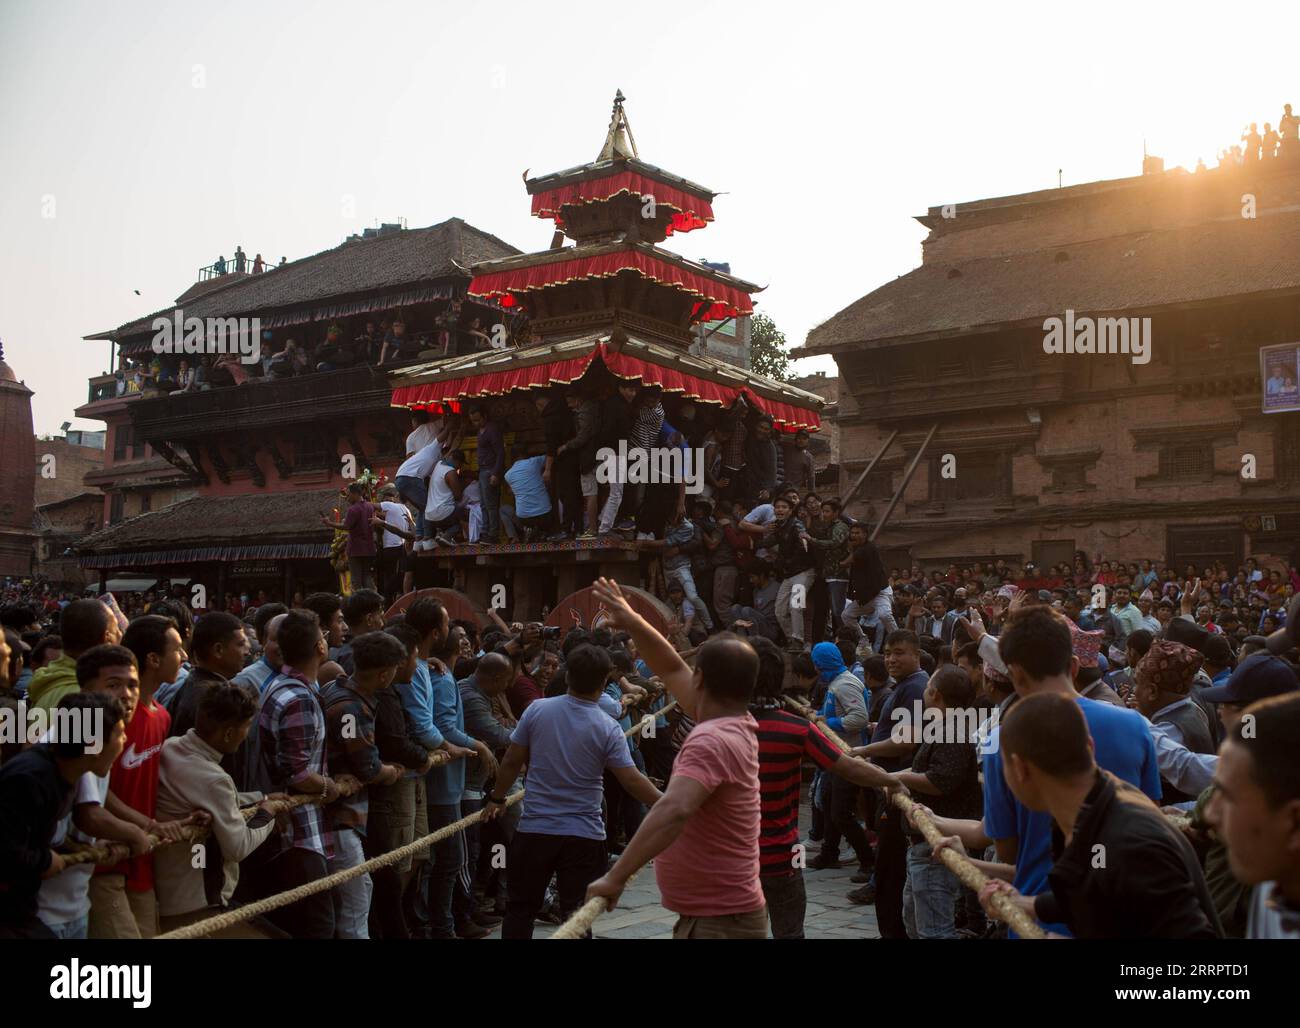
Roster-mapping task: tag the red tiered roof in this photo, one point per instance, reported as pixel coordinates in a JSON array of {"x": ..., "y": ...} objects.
[
  {"x": 690, "y": 211},
  {"x": 447, "y": 383},
  {"x": 724, "y": 300}
]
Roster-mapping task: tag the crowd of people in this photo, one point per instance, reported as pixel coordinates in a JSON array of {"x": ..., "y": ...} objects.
[
  {"x": 395, "y": 727},
  {"x": 377, "y": 339},
  {"x": 44, "y": 596},
  {"x": 1031, "y": 714},
  {"x": 1268, "y": 145},
  {"x": 558, "y": 473},
  {"x": 204, "y": 715}
]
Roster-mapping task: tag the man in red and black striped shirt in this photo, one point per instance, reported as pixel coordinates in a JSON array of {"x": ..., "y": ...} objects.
[{"x": 784, "y": 742}]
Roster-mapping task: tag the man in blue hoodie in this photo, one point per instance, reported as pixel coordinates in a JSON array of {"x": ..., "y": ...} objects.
[{"x": 845, "y": 713}]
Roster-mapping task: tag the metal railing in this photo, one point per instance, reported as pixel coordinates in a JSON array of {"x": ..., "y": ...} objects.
[{"x": 233, "y": 266}]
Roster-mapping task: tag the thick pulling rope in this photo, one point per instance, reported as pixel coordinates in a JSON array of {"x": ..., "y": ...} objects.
[
  {"x": 219, "y": 922},
  {"x": 284, "y": 899},
  {"x": 112, "y": 853},
  {"x": 581, "y": 920},
  {"x": 968, "y": 874}
]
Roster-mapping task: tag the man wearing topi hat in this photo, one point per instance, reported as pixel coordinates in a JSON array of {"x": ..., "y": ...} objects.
[
  {"x": 1088, "y": 680},
  {"x": 1162, "y": 686}
]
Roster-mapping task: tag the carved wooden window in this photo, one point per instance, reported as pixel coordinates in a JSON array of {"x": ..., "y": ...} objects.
[{"x": 1187, "y": 460}]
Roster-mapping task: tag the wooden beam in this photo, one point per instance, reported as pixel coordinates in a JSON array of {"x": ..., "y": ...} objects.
[
  {"x": 907, "y": 477},
  {"x": 847, "y": 498}
]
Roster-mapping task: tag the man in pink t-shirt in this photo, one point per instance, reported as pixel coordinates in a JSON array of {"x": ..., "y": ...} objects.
[{"x": 703, "y": 832}]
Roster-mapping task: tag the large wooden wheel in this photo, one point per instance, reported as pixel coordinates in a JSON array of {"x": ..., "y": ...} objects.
[
  {"x": 581, "y": 609},
  {"x": 459, "y": 606}
]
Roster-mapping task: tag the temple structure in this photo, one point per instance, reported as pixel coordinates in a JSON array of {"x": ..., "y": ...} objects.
[
  {"x": 613, "y": 306},
  {"x": 254, "y": 464}
]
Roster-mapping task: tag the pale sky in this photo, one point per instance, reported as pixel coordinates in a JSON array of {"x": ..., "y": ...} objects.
[{"x": 162, "y": 134}]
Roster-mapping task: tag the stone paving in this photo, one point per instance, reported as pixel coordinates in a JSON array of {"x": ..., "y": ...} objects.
[{"x": 830, "y": 915}]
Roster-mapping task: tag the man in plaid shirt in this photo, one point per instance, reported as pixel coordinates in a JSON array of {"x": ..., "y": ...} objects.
[
  {"x": 350, "y": 705},
  {"x": 291, "y": 743}
]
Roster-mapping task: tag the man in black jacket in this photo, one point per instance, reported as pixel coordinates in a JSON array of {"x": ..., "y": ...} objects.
[
  {"x": 1121, "y": 870},
  {"x": 36, "y": 791},
  {"x": 869, "y": 591}
]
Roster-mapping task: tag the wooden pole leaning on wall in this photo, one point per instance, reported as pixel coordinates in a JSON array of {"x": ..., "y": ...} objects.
[
  {"x": 907, "y": 477},
  {"x": 847, "y": 498}
]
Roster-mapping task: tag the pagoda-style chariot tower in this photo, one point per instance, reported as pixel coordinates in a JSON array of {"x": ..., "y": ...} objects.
[{"x": 612, "y": 306}]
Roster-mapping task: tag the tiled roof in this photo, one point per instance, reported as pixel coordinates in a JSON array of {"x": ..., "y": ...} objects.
[
  {"x": 216, "y": 520},
  {"x": 1136, "y": 272},
  {"x": 387, "y": 262}
]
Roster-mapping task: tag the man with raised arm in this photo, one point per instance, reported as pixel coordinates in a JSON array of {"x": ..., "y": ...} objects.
[{"x": 703, "y": 834}]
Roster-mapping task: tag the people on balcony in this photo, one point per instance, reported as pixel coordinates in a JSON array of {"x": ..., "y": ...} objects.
[
  {"x": 383, "y": 341},
  {"x": 398, "y": 345},
  {"x": 481, "y": 340},
  {"x": 334, "y": 353}
]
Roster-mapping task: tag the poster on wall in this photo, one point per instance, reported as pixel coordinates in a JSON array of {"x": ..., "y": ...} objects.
[{"x": 1279, "y": 370}]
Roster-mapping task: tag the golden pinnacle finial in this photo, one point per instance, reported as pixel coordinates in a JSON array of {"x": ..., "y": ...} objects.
[{"x": 619, "y": 144}]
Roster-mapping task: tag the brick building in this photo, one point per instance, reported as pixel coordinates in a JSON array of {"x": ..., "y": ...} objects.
[
  {"x": 67, "y": 508},
  {"x": 17, "y": 474},
  {"x": 1038, "y": 454}
]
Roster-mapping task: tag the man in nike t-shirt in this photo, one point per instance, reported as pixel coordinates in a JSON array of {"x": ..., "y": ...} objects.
[{"x": 122, "y": 903}]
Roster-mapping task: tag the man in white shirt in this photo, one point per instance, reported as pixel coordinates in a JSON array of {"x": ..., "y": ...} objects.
[
  {"x": 1149, "y": 621},
  {"x": 441, "y": 518},
  {"x": 392, "y": 555},
  {"x": 412, "y": 483},
  {"x": 758, "y": 522},
  {"x": 191, "y": 776},
  {"x": 424, "y": 430}
]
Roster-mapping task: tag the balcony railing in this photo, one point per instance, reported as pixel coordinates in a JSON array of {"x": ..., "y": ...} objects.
[
  {"x": 102, "y": 387},
  {"x": 234, "y": 266}
]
